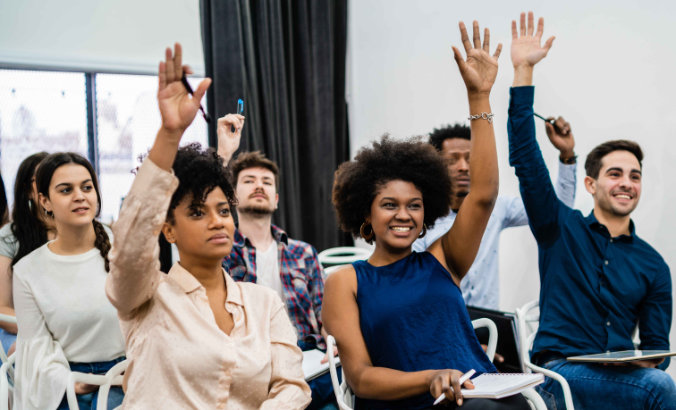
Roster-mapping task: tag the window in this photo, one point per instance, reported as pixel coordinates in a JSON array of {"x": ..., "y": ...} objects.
[
  {"x": 39, "y": 111},
  {"x": 47, "y": 111}
]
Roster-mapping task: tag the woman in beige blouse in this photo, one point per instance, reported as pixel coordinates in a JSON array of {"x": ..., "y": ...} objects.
[{"x": 195, "y": 338}]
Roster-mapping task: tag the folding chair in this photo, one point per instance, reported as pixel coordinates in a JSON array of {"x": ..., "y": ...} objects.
[
  {"x": 528, "y": 318},
  {"x": 112, "y": 378}
]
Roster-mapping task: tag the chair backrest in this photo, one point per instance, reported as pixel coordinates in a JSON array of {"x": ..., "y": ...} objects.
[
  {"x": 6, "y": 389},
  {"x": 342, "y": 391},
  {"x": 105, "y": 381},
  {"x": 528, "y": 319},
  {"x": 342, "y": 255}
]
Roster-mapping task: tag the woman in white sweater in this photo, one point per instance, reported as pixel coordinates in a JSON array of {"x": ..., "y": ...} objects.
[{"x": 65, "y": 321}]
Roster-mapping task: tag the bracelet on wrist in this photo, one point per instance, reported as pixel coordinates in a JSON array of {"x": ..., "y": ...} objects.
[{"x": 488, "y": 116}]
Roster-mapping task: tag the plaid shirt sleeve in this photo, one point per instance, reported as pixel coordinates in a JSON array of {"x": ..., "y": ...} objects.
[{"x": 303, "y": 286}]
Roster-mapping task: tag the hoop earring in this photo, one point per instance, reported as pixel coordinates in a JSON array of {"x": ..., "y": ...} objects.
[
  {"x": 362, "y": 231},
  {"x": 424, "y": 231},
  {"x": 30, "y": 204}
]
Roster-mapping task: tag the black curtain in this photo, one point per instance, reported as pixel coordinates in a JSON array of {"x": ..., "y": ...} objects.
[{"x": 286, "y": 60}]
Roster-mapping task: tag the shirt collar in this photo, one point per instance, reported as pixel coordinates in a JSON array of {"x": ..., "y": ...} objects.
[
  {"x": 189, "y": 283},
  {"x": 594, "y": 223},
  {"x": 277, "y": 233}
]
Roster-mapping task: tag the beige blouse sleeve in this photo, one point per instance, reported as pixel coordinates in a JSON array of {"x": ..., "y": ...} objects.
[
  {"x": 134, "y": 257},
  {"x": 288, "y": 389}
]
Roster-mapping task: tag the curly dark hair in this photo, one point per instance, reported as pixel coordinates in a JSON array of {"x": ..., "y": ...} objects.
[
  {"x": 457, "y": 130},
  {"x": 356, "y": 183},
  {"x": 199, "y": 171}
]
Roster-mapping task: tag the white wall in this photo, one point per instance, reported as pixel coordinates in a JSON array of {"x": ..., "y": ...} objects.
[{"x": 610, "y": 73}]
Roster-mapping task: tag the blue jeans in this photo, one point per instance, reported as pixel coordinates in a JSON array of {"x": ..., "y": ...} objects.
[
  {"x": 595, "y": 386},
  {"x": 88, "y": 401},
  {"x": 7, "y": 339}
]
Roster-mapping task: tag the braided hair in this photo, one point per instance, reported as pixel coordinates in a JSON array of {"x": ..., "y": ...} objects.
[{"x": 43, "y": 178}]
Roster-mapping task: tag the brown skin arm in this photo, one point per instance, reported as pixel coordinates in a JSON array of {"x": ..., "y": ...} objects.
[
  {"x": 457, "y": 249},
  {"x": 340, "y": 315}
]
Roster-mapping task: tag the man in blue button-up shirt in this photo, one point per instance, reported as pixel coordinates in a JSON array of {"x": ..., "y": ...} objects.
[{"x": 598, "y": 279}]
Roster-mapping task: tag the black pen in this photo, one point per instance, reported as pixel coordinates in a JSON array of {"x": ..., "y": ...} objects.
[
  {"x": 551, "y": 121},
  {"x": 187, "y": 86}
]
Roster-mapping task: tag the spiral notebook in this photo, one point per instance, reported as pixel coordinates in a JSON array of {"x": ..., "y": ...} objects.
[{"x": 499, "y": 385}]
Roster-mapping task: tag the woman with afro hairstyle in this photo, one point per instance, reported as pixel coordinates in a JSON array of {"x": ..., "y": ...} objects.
[
  {"x": 399, "y": 319},
  {"x": 196, "y": 339}
]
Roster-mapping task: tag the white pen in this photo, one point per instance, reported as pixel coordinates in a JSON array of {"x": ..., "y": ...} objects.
[{"x": 463, "y": 379}]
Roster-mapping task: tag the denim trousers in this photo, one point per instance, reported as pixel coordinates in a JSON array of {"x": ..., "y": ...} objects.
[
  {"x": 595, "y": 386},
  {"x": 88, "y": 401},
  {"x": 7, "y": 339}
]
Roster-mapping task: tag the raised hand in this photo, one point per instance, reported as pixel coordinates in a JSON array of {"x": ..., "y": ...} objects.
[
  {"x": 561, "y": 136},
  {"x": 526, "y": 48},
  {"x": 177, "y": 107},
  {"x": 228, "y": 141},
  {"x": 480, "y": 69}
]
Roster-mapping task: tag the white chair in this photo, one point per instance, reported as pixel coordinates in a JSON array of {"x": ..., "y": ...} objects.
[
  {"x": 345, "y": 397},
  {"x": 6, "y": 383},
  {"x": 528, "y": 318},
  {"x": 112, "y": 378},
  {"x": 6, "y": 371},
  {"x": 342, "y": 255}
]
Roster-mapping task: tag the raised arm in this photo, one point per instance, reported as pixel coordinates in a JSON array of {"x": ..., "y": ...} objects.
[
  {"x": 561, "y": 136},
  {"x": 537, "y": 192},
  {"x": 459, "y": 246},
  {"x": 229, "y": 132},
  {"x": 177, "y": 107},
  {"x": 134, "y": 266}
]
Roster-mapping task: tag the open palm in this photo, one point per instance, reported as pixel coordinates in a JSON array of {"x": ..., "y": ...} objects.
[
  {"x": 177, "y": 107},
  {"x": 480, "y": 69},
  {"x": 526, "y": 48}
]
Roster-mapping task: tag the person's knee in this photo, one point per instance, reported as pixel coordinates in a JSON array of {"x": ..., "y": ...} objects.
[{"x": 661, "y": 389}]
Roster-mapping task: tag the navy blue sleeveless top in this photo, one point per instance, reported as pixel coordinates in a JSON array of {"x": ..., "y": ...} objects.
[{"x": 413, "y": 318}]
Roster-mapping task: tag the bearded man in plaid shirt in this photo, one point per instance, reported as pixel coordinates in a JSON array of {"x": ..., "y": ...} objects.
[{"x": 264, "y": 254}]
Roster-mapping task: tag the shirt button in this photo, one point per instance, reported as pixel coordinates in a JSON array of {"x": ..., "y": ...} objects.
[
  {"x": 605, "y": 262},
  {"x": 608, "y": 323},
  {"x": 611, "y": 240}
]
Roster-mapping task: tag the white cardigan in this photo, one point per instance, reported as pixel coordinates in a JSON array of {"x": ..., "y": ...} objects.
[{"x": 63, "y": 316}]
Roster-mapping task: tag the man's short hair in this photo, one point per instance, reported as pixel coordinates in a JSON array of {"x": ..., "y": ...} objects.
[
  {"x": 457, "y": 130},
  {"x": 593, "y": 163},
  {"x": 253, "y": 159}
]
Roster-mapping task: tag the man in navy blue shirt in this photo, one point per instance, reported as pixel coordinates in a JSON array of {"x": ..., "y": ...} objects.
[{"x": 598, "y": 279}]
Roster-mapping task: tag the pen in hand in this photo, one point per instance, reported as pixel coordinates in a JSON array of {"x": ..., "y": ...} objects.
[
  {"x": 187, "y": 86},
  {"x": 462, "y": 380},
  {"x": 551, "y": 121}
]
